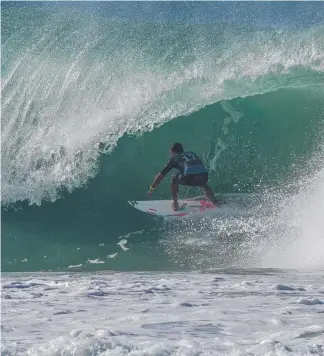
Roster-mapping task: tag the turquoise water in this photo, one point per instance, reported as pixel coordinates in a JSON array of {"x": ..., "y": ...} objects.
[{"x": 94, "y": 94}]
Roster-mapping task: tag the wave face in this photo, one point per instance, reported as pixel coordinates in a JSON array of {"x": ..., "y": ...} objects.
[{"x": 93, "y": 95}]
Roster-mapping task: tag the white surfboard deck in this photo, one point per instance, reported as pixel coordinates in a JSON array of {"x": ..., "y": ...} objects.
[{"x": 187, "y": 207}]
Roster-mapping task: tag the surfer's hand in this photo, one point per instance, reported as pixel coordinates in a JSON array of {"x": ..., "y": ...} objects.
[{"x": 150, "y": 192}]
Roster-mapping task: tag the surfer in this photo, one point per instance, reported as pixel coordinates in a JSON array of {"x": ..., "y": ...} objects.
[{"x": 191, "y": 172}]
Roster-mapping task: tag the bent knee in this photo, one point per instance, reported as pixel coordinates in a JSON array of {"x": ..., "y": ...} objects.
[{"x": 174, "y": 179}]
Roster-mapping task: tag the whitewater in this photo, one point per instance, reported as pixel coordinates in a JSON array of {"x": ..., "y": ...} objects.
[{"x": 93, "y": 95}]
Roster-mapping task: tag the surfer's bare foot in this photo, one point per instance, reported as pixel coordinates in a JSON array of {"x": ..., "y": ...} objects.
[{"x": 175, "y": 205}]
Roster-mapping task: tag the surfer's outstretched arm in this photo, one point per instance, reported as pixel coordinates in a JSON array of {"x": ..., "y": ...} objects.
[
  {"x": 161, "y": 175},
  {"x": 155, "y": 183}
]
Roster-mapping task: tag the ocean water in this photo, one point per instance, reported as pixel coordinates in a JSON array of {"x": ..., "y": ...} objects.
[{"x": 93, "y": 95}]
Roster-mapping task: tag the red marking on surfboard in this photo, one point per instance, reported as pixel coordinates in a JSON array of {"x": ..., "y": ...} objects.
[
  {"x": 206, "y": 205},
  {"x": 151, "y": 211}
]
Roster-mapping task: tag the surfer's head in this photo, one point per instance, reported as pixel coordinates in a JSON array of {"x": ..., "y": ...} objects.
[{"x": 176, "y": 148}]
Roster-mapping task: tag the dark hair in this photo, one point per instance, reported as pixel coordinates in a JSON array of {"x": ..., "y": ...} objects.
[{"x": 177, "y": 148}]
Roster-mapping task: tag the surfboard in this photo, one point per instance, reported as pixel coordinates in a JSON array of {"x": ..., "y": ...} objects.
[{"x": 187, "y": 207}]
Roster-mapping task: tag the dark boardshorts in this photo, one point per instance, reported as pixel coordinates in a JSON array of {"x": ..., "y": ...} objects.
[{"x": 190, "y": 179}]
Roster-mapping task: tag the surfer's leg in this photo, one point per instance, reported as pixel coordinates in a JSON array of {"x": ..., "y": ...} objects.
[
  {"x": 201, "y": 180},
  {"x": 175, "y": 191},
  {"x": 176, "y": 179},
  {"x": 209, "y": 193}
]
